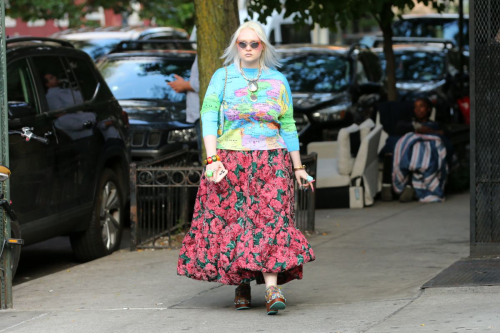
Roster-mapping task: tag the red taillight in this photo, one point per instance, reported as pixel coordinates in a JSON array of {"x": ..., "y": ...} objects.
[{"x": 125, "y": 119}]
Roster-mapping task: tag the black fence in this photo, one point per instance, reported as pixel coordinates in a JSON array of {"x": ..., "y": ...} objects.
[
  {"x": 163, "y": 194},
  {"x": 485, "y": 126}
]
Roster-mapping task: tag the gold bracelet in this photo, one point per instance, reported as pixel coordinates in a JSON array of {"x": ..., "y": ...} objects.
[{"x": 299, "y": 168}]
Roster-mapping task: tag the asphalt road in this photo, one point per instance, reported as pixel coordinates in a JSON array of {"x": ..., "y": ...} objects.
[{"x": 51, "y": 256}]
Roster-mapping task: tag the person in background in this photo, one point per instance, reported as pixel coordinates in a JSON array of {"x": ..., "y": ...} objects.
[
  {"x": 59, "y": 97},
  {"x": 421, "y": 124},
  {"x": 191, "y": 88}
]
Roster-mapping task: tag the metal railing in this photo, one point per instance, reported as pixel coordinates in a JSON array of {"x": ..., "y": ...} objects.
[{"x": 162, "y": 197}]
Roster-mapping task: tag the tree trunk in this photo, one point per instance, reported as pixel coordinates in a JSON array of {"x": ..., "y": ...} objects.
[
  {"x": 216, "y": 22},
  {"x": 386, "y": 26}
]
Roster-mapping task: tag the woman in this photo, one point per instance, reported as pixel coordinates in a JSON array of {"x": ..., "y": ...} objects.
[
  {"x": 243, "y": 226},
  {"x": 420, "y": 124}
]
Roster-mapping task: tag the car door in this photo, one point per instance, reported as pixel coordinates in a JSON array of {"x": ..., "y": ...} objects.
[
  {"x": 89, "y": 142},
  {"x": 63, "y": 105},
  {"x": 32, "y": 163}
]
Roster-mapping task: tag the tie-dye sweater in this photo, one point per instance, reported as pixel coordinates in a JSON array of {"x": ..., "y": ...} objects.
[{"x": 264, "y": 124}]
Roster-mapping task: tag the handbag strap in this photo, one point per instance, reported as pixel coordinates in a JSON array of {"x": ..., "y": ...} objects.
[{"x": 221, "y": 109}]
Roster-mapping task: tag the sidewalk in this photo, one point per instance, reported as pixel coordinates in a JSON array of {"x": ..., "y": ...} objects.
[{"x": 366, "y": 278}]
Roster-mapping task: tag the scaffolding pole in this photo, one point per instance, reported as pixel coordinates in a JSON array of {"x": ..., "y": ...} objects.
[{"x": 5, "y": 257}]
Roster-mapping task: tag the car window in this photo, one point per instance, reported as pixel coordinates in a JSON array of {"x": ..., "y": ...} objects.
[
  {"x": 85, "y": 78},
  {"x": 136, "y": 78},
  {"x": 96, "y": 47},
  {"x": 315, "y": 72},
  {"x": 59, "y": 91},
  {"x": 433, "y": 28},
  {"x": 418, "y": 66},
  {"x": 20, "y": 84}
]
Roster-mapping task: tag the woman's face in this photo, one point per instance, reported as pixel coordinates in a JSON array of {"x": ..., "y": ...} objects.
[
  {"x": 421, "y": 110},
  {"x": 249, "y": 47}
]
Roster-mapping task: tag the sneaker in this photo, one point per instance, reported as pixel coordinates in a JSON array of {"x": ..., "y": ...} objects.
[
  {"x": 274, "y": 300},
  {"x": 242, "y": 297}
]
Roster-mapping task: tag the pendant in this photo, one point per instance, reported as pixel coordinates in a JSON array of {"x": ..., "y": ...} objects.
[
  {"x": 253, "y": 97},
  {"x": 252, "y": 86}
]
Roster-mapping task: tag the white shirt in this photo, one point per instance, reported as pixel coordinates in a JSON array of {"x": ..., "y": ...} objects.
[{"x": 192, "y": 97}]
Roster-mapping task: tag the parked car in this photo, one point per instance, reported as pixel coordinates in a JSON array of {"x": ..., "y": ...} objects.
[
  {"x": 432, "y": 71},
  {"x": 332, "y": 87},
  {"x": 138, "y": 79},
  {"x": 77, "y": 184},
  {"x": 100, "y": 41},
  {"x": 443, "y": 26},
  {"x": 432, "y": 26}
]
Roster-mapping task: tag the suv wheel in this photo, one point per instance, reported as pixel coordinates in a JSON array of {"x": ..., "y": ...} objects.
[
  {"x": 104, "y": 233},
  {"x": 15, "y": 231}
]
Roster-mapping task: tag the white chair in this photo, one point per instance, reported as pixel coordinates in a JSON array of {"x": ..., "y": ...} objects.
[{"x": 337, "y": 171}]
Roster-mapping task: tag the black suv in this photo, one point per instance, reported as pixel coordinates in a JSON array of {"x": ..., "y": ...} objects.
[
  {"x": 77, "y": 183},
  {"x": 137, "y": 74},
  {"x": 332, "y": 87}
]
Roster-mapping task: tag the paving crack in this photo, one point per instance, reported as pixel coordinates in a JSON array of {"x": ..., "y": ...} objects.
[
  {"x": 198, "y": 294},
  {"x": 419, "y": 294},
  {"x": 24, "y": 321}
]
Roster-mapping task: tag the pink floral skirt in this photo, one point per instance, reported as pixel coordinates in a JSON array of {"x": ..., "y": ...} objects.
[{"x": 244, "y": 226}]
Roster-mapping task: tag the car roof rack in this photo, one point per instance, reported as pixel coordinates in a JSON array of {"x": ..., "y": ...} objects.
[
  {"x": 138, "y": 45},
  {"x": 416, "y": 40},
  {"x": 38, "y": 39}
]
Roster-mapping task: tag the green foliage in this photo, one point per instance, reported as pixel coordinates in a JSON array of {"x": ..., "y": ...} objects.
[
  {"x": 329, "y": 13},
  {"x": 176, "y": 13},
  {"x": 173, "y": 13}
]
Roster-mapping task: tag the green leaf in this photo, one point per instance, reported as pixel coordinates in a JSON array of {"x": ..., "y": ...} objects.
[{"x": 231, "y": 245}]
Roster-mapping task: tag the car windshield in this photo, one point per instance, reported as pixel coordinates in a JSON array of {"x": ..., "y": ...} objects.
[
  {"x": 417, "y": 66},
  {"x": 315, "y": 72},
  {"x": 433, "y": 28},
  {"x": 145, "y": 78},
  {"x": 96, "y": 47}
]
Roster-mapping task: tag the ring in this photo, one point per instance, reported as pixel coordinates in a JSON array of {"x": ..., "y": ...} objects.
[
  {"x": 310, "y": 179},
  {"x": 209, "y": 173}
]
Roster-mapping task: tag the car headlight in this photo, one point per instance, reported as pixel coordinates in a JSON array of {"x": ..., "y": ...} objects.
[
  {"x": 184, "y": 135},
  {"x": 331, "y": 113}
]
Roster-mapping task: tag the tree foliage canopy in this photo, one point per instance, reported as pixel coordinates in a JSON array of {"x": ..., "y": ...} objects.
[
  {"x": 177, "y": 13},
  {"x": 329, "y": 13}
]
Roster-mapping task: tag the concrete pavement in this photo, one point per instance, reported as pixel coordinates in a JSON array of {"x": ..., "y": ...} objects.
[{"x": 367, "y": 276}]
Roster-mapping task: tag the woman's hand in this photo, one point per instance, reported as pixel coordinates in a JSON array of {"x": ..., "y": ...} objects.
[
  {"x": 215, "y": 167},
  {"x": 302, "y": 175}
]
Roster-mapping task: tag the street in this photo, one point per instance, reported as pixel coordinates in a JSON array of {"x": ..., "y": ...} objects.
[{"x": 51, "y": 256}]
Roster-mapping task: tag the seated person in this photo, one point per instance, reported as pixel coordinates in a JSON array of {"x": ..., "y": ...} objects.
[
  {"x": 59, "y": 97},
  {"x": 421, "y": 124}
]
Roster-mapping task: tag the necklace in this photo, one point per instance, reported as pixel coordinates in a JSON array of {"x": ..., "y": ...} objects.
[{"x": 252, "y": 83}]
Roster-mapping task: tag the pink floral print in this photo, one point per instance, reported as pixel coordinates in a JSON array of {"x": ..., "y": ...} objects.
[{"x": 243, "y": 226}]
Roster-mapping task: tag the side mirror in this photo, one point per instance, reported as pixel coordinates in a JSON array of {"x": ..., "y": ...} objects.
[{"x": 19, "y": 110}]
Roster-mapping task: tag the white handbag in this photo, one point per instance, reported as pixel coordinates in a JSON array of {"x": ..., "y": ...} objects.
[{"x": 356, "y": 194}]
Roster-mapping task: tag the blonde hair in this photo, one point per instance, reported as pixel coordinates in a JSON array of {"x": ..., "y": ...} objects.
[{"x": 268, "y": 58}]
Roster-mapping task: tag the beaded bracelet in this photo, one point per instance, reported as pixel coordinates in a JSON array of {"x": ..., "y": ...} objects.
[{"x": 212, "y": 159}]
